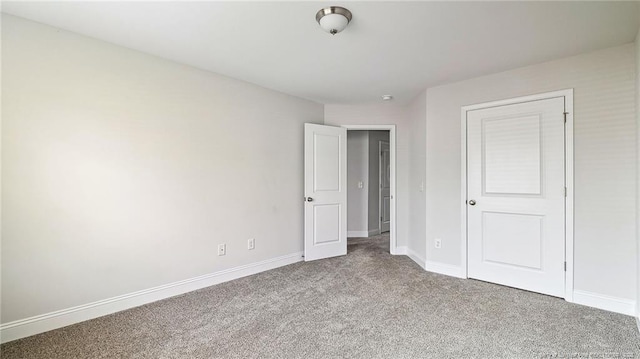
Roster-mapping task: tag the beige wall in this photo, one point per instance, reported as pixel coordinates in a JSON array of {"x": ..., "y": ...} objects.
[
  {"x": 417, "y": 115},
  {"x": 605, "y": 160},
  {"x": 123, "y": 171},
  {"x": 357, "y": 170}
]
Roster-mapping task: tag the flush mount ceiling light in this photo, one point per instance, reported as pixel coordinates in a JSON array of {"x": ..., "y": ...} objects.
[
  {"x": 387, "y": 97},
  {"x": 333, "y": 19}
]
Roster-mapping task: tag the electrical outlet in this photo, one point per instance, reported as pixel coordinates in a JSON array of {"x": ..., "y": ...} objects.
[
  {"x": 222, "y": 249},
  {"x": 438, "y": 243},
  {"x": 251, "y": 243},
  {"x": 360, "y": 184}
]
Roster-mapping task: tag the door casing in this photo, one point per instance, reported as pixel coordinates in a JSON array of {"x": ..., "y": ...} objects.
[
  {"x": 393, "y": 247},
  {"x": 568, "y": 152}
]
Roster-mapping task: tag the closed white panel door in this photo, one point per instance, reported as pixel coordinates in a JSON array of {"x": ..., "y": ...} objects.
[
  {"x": 385, "y": 186},
  {"x": 516, "y": 195},
  {"x": 325, "y": 178}
]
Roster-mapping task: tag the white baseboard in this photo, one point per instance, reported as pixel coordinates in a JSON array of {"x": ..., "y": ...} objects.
[
  {"x": 446, "y": 269},
  {"x": 416, "y": 257},
  {"x": 605, "y": 302},
  {"x": 401, "y": 250},
  {"x": 61, "y": 318},
  {"x": 357, "y": 234},
  {"x": 406, "y": 251},
  {"x": 638, "y": 323}
]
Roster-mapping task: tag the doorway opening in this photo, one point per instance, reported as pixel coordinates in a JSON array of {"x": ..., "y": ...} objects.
[
  {"x": 326, "y": 189},
  {"x": 371, "y": 184}
]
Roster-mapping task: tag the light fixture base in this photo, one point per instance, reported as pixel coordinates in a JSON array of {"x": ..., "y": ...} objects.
[{"x": 333, "y": 19}]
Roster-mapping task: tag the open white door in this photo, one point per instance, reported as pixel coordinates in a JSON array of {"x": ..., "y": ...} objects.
[{"x": 325, "y": 179}]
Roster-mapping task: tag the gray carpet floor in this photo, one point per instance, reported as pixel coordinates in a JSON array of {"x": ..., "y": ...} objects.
[{"x": 368, "y": 304}]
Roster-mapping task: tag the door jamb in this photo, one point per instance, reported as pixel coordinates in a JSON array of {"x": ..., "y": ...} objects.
[
  {"x": 380, "y": 176},
  {"x": 567, "y": 94},
  {"x": 393, "y": 247}
]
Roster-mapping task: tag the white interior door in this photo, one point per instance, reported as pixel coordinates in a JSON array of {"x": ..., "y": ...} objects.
[
  {"x": 325, "y": 186},
  {"x": 385, "y": 186},
  {"x": 516, "y": 195}
]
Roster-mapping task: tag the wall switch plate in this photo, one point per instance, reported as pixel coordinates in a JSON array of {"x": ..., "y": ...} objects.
[
  {"x": 438, "y": 243},
  {"x": 251, "y": 243},
  {"x": 222, "y": 249}
]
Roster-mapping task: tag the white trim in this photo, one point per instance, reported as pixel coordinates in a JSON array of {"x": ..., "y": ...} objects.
[
  {"x": 463, "y": 195},
  {"x": 61, "y": 318},
  {"x": 605, "y": 302},
  {"x": 638, "y": 323},
  {"x": 357, "y": 234},
  {"x": 569, "y": 236},
  {"x": 403, "y": 250},
  {"x": 393, "y": 242},
  {"x": 522, "y": 99},
  {"x": 416, "y": 257},
  {"x": 568, "y": 209},
  {"x": 413, "y": 255},
  {"x": 446, "y": 269}
]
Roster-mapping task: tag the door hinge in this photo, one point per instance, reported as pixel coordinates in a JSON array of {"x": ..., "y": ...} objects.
[
  {"x": 565, "y": 116},
  {"x": 565, "y": 266},
  {"x": 565, "y": 191}
]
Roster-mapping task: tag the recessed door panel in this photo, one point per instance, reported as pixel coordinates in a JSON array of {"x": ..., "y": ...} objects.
[
  {"x": 512, "y": 155},
  {"x": 512, "y": 239},
  {"x": 326, "y": 222},
  {"x": 326, "y": 168}
]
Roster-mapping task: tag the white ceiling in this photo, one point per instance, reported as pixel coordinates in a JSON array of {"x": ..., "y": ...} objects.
[{"x": 397, "y": 48}]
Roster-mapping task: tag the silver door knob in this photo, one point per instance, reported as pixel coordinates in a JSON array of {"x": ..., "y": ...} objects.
[
  {"x": 309, "y": 199},
  {"x": 472, "y": 202}
]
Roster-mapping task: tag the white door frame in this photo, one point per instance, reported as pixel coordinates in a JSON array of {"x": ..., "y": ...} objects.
[
  {"x": 392, "y": 191},
  {"x": 568, "y": 132}
]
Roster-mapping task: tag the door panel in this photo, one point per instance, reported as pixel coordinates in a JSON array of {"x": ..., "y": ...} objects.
[
  {"x": 515, "y": 169},
  {"x": 511, "y": 151},
  {"x": 385, "y": 186},
  {"x": 512, "y": 239},
  {"x": 325, "y": 177},
  {"x": 326, "y": 223}
]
